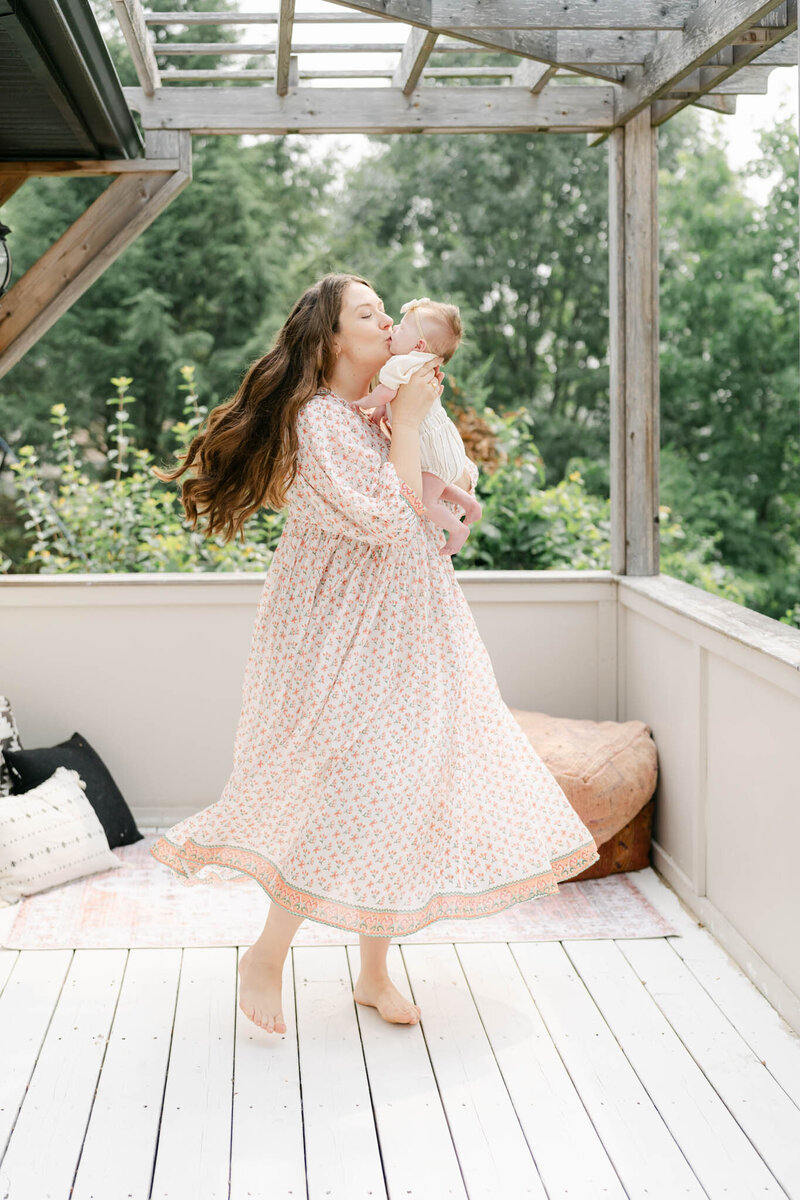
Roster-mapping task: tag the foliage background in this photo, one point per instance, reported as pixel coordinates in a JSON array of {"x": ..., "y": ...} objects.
[{"x": 511, "y": 227}]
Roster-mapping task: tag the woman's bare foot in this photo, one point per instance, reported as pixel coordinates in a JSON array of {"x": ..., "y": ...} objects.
[
  {"x": 390, "y": 1003},
  {"x": 260, "y": 991}
]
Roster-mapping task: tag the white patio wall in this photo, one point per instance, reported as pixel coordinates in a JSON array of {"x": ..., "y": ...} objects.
[{"x": 149, "y": 669}]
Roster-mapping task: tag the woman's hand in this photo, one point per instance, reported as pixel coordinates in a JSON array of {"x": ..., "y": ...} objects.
[{"x": 414, "y": 399}]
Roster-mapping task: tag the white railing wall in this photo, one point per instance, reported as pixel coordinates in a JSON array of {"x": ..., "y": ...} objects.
[
  {"x": 149, "y": 668},
  {"x": 719, "y": 685}
]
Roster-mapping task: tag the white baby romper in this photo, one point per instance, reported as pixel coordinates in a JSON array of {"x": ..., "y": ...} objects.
[{"x": 441, "y": 450}]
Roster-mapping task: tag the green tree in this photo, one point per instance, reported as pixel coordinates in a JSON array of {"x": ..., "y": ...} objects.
[
  {"x": 207, "y": 283},
  {"x": 513, "y": 228}
]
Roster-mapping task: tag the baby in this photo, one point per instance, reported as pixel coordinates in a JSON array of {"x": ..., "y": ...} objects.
[{"x": 429, "y": 331}]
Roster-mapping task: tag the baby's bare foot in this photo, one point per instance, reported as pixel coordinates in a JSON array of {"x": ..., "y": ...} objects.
[
  {"x": 390, "y": 1003},
  {"x": 473, "y": 510},
  {"x": 260, "y": 992},
  {"x": 455, "y": 541}
]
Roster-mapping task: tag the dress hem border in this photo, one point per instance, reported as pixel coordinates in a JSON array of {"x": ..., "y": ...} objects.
[{"x": 192, "y": 856}]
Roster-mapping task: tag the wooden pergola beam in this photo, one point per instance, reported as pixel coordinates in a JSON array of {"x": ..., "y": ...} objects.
[
  {"x": 134, "y": 29},
  {"x": 720, "y": 104},
  {"x": 413, "y": 58},
  {"x": 708, "y": 31},
  {"x": 92, "y": 242},
  {"x": 14, "y": 174},
  {"x": 221, "y": 49},
  {"x": 255, "y": 18},
  {"x": 268, "y": 74},
  {"x": 87, "y": 166},
  {"x": 533, "y": 75},
  {"x": 376, "y": 110},
  {"x": 624, "y": 46},
  {"x": 780, "y": 54},
  {"x": 607, "y": 46},
  {"x": 541, "y": 46},
  {"x": 283, "y": 51},
  {"x": 568, "y": 14}
]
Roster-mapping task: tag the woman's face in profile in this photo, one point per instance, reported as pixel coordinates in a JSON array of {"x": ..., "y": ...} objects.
[{"x": 365, "y": 330}]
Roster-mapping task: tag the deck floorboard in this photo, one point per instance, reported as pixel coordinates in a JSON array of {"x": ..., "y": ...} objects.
[{"x": 649, "y": 1068}]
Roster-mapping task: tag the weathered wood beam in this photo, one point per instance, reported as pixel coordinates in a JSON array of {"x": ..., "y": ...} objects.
[
  {"x": 720, "y": 104},
  {"x": 779, "y": 54},
  {"x": 634, "y": 346},
  {"x": 249, "y": 48},
  {"x": 88, "y": 166},
  {"x": 661, "y": 110},
  {"x": 92, "y": 243},
  {"x": 708, "y": 30},
  {"x": 632, "y": 48},
  {"x": 134, "y": 29},
  {"x": 284, "y": 47},
  {"x": 217, "y": 48},
  {"x": 375, "y": 110},
  {"x": 751, "y": 81},
  {"x": 533, "y": 75},
  {"x": 450, "y": 46},
  {"x": 253, "y": 18},
  {"x": 567, "y": 14},
  {"x": 625, "y": 46},
  {"x": 267, "y": 75},
  {"x": 415, "y": 55},
  {"x": 541, "y": 46}
]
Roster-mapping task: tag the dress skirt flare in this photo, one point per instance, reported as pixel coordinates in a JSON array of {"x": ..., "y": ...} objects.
[{"x": 379, "y": 781}]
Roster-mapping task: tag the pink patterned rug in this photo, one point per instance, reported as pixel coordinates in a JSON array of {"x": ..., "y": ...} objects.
[{"x": 144, "y": 904}]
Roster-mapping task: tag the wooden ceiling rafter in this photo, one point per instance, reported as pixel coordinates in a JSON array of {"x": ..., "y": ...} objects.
[
  {"x": 610, "y": 40},
  {"x": 141, "y": 190}
]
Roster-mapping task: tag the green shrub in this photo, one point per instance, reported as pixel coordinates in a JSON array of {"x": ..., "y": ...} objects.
[{"x": 130, "y": 520}]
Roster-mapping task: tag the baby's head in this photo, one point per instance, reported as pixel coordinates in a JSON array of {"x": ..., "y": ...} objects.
[{"x": 426, "y": 321}]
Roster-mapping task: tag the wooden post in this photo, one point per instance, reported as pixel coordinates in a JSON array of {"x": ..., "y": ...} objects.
[{"x": 633, "y": 346}]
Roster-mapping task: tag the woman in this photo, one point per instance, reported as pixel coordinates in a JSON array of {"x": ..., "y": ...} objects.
[{"x": 379, "y": 781}]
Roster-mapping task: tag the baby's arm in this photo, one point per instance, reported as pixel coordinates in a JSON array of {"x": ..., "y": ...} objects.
[
  {"x": 378, "y": 396},
  {"x": 377, "y": 400}
]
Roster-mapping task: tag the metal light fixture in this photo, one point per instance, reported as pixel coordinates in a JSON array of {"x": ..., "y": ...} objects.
[{"x": 5, "y": 259}]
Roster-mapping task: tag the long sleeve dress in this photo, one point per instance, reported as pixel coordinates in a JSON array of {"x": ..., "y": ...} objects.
[{"x": 379, "y": 780}]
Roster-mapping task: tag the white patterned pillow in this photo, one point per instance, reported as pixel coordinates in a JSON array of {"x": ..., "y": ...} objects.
[
  {"x": 9, "y": 740},
  {"x": 50, "y": 835}
]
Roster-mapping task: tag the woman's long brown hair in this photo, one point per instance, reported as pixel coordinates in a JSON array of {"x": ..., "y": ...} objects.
[{"x": 244, "y": 456}]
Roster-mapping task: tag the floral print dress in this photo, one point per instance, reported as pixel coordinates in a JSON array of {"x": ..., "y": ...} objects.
[{"x": 379, "y": 781}]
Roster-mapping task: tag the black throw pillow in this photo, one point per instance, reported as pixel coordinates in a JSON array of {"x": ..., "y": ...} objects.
[{"x": 29, "y": 768}]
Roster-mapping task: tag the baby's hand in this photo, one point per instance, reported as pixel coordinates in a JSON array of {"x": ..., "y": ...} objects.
[{"x": 377, "y": 414}]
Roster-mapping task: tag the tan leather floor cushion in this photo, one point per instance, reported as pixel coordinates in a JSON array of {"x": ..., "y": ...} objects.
[{"x": 607, "y": 769}]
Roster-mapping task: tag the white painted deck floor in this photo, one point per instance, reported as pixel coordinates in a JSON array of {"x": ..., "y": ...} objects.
[{"x": 579, "y": 1069}]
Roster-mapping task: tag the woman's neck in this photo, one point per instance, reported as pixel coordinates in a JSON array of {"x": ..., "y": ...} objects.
[{"x": 348, "y": 382}]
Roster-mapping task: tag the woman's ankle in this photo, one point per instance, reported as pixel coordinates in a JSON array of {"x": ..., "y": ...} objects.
[
  {"x": 266, "y": 956},
  {"x": 373, "y": 977}
]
